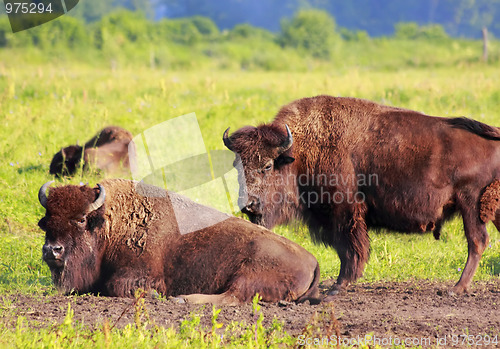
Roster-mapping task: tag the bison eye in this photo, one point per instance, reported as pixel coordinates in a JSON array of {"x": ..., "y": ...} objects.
[
  {"x": 81, "y": 221},
  {"x": 268, "y": 166}
]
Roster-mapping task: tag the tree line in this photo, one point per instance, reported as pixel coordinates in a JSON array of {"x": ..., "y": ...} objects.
[
  {"x": 376, "y": 17},
  {"x": 308, "y": 39},
  {"x": 313, "y": 31}
]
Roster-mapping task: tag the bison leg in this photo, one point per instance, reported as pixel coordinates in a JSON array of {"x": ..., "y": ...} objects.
[
  {"x": 269, "y": 284},
  {"x": 125, "y": 282},
  {"x": 477, "y": 240},
  {"x": 353, "y": 248},
  {"x": 225, "y": 298}
]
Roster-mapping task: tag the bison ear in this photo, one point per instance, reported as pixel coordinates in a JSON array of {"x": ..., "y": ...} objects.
[{"x": 283, "y": 160}]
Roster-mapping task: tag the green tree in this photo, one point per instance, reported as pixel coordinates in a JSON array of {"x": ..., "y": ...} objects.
[
  {"x": 64, "y": 31},
  {"x": 312, "y": 31},
  {"x": 121, "y": 27},
  {"x": 181, "y": 30},
  {"x": 354, "y": 35},
  {"x": 412, "y": 31},
  {"x": 247, "y": 31},
  {"x": 205, "y": 26},
  {"x": 186, "y": 30}
]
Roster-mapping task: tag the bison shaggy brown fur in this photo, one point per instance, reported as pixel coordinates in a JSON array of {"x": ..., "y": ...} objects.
[
  {"x": 123, "y": 235},
  {"x": 344, "y": 165},
  {"x": 106, "y": 151},
  {"x": 490, "y": 204}
]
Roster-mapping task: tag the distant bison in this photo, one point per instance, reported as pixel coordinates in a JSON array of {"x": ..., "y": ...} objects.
[
  {"x": 345, "y": 165},
  {"x": 123, "y": 235},
  {"x": 106, "y": 151}
]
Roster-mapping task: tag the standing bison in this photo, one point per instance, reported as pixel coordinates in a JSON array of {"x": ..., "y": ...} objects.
[
  {"x": 106, "y": 151},
  {"x": 345, "y": 165},
  {"x": 123, "y": 235}
]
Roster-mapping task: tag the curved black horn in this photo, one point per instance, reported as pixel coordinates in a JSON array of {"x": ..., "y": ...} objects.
[
  {"x": 42, "y": 193},
  {"x": 99, "y": 201},
  {"x": 287, "y": 143},
  {"x": 225, "y": 138}
]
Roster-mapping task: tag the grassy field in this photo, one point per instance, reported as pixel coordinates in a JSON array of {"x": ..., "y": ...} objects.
[{"x": 46, "y": 106}]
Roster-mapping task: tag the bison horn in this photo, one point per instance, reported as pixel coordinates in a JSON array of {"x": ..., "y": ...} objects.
[
  {"x": 99, "y": 201},
  {"x": 227, "y": 141},
  {"x": 42, "y": 193},
  {"x": 287, "y": 143}
]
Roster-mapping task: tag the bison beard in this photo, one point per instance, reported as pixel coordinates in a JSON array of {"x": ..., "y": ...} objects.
[
  {"x": 122, "y": 236},
  {"x": 427, "y": 169}
]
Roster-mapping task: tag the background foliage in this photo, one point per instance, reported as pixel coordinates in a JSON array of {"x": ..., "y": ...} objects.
[
  {"x": 460, "y": 18},
  {"x": 309, "y": 40}
]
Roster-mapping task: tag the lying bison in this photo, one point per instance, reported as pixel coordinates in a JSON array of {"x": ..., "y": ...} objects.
[
  {"x": 106, "y": 151},
  {"x": 121, "y": 236},
  {"x": 345, "y": 165}
]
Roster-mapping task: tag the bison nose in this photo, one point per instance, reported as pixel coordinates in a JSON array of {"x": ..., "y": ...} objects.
[
  {"x": 52, "y": 251},
  {"x": 252, "y": 205}
]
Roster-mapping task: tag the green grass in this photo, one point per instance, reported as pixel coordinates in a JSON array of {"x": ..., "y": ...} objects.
[
  {"x": 144, "y": 333},
  {"x": 45, "y": 106}
]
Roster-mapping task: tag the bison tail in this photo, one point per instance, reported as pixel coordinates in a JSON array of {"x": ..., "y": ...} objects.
[
  {"x": 479, "y": 128},
  {"x": 312, "y": 294},
  {"x": 489, "y": 204}
]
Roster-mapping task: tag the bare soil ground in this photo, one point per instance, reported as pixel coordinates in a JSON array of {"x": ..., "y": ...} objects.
[{"x": 415, "y": 309}]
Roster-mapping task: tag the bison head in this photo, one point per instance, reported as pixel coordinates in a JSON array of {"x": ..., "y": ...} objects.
[
  {"x": 66, "y": 161},
  {"x": 268, "y": 189},
  {"x": 72, "y": 248}
]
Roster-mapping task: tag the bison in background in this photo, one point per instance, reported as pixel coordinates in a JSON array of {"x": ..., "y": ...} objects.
[
  {"x": 106, "y": 151},
  {"x": 344, "y": 165},
  {"x": 123, "y": 235}
]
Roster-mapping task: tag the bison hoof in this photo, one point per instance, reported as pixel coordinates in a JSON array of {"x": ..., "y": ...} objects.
[
  {"x": 332, "y": 293},
  {"x": 456, "y": 291},
  {"x": 335, "y": 290}
]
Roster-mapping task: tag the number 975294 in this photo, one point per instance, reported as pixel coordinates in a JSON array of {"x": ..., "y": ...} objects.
[
  {"x": 471, "y": 340},
  {"x": 27, "y": 7}
]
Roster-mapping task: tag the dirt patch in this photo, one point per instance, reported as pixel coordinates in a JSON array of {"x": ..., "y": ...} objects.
[{"x": 416, "y": 309}]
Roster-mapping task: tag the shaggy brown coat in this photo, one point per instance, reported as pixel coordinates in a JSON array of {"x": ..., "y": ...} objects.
[
  {"x": 356, "y": 164},
  {"x": 106, "y": 151},
  {"x": 133, "y": 241},
  {"x": 490, "y": 204}
]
